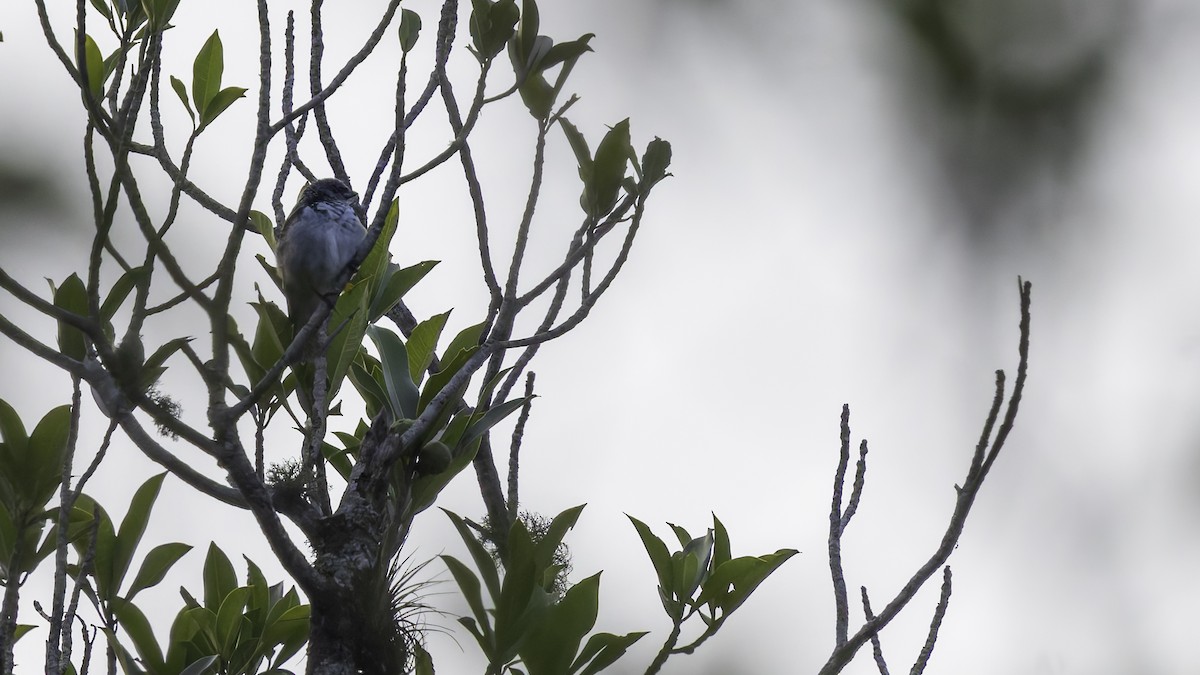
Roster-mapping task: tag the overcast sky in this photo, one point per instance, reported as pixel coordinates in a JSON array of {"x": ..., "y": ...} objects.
[{"x": 845, "y": 224}]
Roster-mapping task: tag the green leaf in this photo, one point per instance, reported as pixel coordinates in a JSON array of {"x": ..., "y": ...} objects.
[
  {"x": 47, "y": 448},
  {"x": 78, "y": 525},
  {"x": 537, "y": 95},
  {"x": 105, "y": 543},
  {"x": 93, "y": 62},
  {"x": 111, "y": 63},
  {"x": 260, "y": 592},
  {"x": 366, "y": 375},
  {"x": 378, "y": 267},
  {"x": 583, "y": 155},
  {"x": 438, "y": 381},
  {"x": 482, "y": 423},
  {"x": 339, "y": 459},
  {"x": 22, "y": 628},
  {"x": 721, "y": 553},
  {"x": 655, "y": 162},
  {"x": 155, "y": 566},
  {"x": 484, "y": 562},
  {"x": 206, "y": 74},
  {"x": 612, "y": 157},
  {"x": 137, "y": 626},
  {"x": 102, "y": 7},
  {"x": 160, "y": 12},
  {"x": 398, "y": 282},
  {"x": 553, "y": 643},
  {"x": 492, "y": 25},
  {"x": 272, "y": 335},
  {"x": 681, "y": 534},
  {"x": 518, "y": 603},
  {"x": 160, "y": 355},
  {"x": 467, "y": 339},
  {"x": 402, "y": 393},
  {"x": 422, "y": 343},
  {"x": 133, "y": 526},
  {"x": 692, "y": 565},
  {"x": 181, "y": 91},
  {"x": 8, "y": 534},
  {"x": 290, "y": 631},
  {"x": 219, "y": 102},
  {"x": 566, "y": 51},
  {"x": 734, "y": 580},
  {"x": 660, "y": 557},
  {"x": 265, "y": 226},
  {"x": 351, "y": 310},
  {"x": 527, "y": 31},
  {"x": 219, "y": 578},
  {"x": 468, "y": 584},
  {"x": 229, "y": 618},
  {"x": 410, "y": 30},
  {"x": 71, "y": 296},
  {"x": 562, "y": 523},
  {"x": 13, "y": 430},
  {"x": 602, "y": 650}
]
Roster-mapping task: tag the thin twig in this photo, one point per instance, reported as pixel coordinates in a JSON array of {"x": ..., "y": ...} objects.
[
  {"x": 514, "y": 450},
  {"x": 876, "y": 646},
  {"x": 317, "y": 54},
  {"x": 843, "y": 653},
  {"x": 938, "y": 615},
  {"x": 841, "y": 603},
  {"x": 342, "y": 74},
  {"x": 860, "y": 475}
]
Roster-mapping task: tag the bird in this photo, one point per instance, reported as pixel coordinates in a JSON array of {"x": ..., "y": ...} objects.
[{"x": 316, "y": 243}]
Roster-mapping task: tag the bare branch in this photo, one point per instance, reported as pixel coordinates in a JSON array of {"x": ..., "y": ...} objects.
[
  {"x": 938, "y": 615},
  {"x": 192, "y": 190},
  {"x": 556, "y": 304},
  {"x": 844, "y": 652},
  {"x": 474, "y": 189},
  {"x": 592, "y": 298},
  {"x": 876, "y": 646},
  {"x": 356, "y": 60},
  {"x": 54, "y": 652},
  {"x": 514, "y": 450},
  {"x": 860, "y": 475},
  {"x": 317, "y": 53},
  {"x": 841, "y": 603}
]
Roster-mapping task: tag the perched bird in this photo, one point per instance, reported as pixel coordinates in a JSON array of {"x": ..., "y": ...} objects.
[{"x": 318, "y": 239}]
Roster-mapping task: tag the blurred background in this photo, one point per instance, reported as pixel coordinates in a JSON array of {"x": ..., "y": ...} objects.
[{"x": 857, "y": 186}]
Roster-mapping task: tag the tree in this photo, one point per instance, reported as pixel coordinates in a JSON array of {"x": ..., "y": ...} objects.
[{"x": 428, "y": 412}]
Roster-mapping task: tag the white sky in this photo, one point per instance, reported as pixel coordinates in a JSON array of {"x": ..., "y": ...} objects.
[{"x": 809, "y": 252}]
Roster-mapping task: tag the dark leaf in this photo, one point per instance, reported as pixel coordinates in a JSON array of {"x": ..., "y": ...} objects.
[
  {"x": 71, "y": 296},
  {"x": 155, "y": 566},
  {"x": 402, "y": 393},
  {"x": 655, "y": 162},
  {"x": 219, "y": 578},
  {"x": 410, "y": 30},
  {"x": 134, "y": 526},
  {"x": 602, "y": 650},
  {"x": 612, "y": 157},
  {"x": 422, "y": 344}
]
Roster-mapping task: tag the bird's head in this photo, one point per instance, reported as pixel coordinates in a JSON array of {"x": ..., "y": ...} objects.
[{"x": 327, "y": 190}]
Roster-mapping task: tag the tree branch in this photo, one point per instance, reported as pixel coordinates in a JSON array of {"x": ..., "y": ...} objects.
[{"x": 981, "y": 463}]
